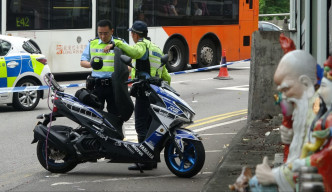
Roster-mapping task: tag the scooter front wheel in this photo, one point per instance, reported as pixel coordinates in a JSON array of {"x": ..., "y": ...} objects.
[
  {"x": 190, "y": 163},
  {"x": 57, "y": 161}
]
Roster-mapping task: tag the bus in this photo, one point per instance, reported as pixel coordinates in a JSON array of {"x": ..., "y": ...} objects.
[{"x": 196, "y": 34}]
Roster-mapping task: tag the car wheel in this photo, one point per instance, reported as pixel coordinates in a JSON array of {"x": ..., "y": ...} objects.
[
  {"x": 176, "y": 55},
  {"x": 26, "y": 100}
]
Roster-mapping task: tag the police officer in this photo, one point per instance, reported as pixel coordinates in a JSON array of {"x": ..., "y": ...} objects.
[
  {"x": 100, "y": 81},
  {"x": 147, "y": 57}
]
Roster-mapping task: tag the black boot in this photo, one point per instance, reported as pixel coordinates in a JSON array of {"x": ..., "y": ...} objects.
[
  {"x": 140, "y": 139},
  {"x": 143, "y": 166}
]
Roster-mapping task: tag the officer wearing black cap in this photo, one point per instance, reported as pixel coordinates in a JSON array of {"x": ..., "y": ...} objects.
[{"x": 147, "y": 56}]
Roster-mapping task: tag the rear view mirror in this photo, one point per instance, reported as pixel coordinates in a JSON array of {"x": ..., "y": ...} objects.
[
  {"x": 126, "y": 60},
  {"x": 164, "y": 59}
]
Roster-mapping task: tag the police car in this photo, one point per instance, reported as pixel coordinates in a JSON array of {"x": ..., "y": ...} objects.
[{"x": 21, "y": 64}]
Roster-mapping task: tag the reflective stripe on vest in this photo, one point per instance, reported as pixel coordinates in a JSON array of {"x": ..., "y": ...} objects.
[
  {"x": 97, "y": 49},
  {"x": 154, "y": 58}
]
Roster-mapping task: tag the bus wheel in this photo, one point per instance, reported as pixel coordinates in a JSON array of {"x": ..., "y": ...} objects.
[
  {"x": 207, "y": 53},
  {"x": 176, "y": 55}
]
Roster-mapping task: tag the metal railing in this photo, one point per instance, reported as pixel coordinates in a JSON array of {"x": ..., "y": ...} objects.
[{"x": 274, "y": 15}]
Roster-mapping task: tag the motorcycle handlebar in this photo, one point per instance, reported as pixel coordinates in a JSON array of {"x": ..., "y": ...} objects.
[
  {"x": 53, "y": 83},
  {"x": 151, "y": 80},
  {"x": 131, "y": 81}
]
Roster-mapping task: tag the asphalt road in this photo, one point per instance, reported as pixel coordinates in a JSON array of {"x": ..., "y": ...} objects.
[{"x": 217, "y": 104}]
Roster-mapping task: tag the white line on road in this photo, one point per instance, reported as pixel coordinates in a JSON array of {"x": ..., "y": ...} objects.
[
  {"x": 213, "y": 134},
  {"x": 239, "y": 68},
  {"x": 130, "y": 132},
  {"x": 132, "y": 135},
  {"x": 236, "y": 88},
  {"x": 120, "y": 179},
  {"x": 210, "y": 151},
  {"x": 206, "y": 79},
  {"x": 213, "y": 151},
  {"x": 220, "y": 124},
  {"x": 179, "y": 82}
]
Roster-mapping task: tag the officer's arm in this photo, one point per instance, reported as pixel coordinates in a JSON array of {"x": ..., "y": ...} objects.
[
  {"x": 165, "y": 75},
  {"x": 85, "y": 64},
  {"x": 85, "y": 58},
  {"x": 135, "y": 52}
]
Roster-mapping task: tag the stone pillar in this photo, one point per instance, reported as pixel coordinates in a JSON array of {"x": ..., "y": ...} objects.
[{"x": 266, "y": 53}]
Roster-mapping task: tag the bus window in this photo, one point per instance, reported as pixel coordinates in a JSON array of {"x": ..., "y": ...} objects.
[
  {"x": 117, "y": 11},
  {"x": 48, "y": 14},
  {"x": 121, "y": 20},
  {"x": 74, "y": 14}
]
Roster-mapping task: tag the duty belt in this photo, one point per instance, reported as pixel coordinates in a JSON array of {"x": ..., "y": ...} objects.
[{"x": 103, "y": 81}]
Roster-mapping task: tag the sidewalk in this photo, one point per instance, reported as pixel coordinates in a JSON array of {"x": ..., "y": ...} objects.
[{"x": 248, "y": 148}]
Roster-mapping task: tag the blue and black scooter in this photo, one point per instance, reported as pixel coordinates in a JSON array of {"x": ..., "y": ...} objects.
[{"x": 99, "y": 135}]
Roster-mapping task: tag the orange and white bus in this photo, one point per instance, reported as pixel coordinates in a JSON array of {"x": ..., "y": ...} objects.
[
  {"x": 196, "y": 31},
  {"x": 191, "y": 31}
]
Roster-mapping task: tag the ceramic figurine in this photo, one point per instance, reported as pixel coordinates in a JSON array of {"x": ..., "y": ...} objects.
[
  {"x": 318, "y": 151},
  {"x": 295, "y": 78}
]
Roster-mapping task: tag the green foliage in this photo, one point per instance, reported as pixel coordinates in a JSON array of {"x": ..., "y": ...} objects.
[{"x": 273, "y": 6}]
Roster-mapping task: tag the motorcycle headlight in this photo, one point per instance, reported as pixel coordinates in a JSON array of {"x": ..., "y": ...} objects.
[{"x": 186, "y": 113}]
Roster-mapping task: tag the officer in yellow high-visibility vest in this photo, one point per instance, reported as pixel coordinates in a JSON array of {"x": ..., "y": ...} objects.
[
  {"x": 101, "y": 80},
  {"x": 148, "y": 60}
]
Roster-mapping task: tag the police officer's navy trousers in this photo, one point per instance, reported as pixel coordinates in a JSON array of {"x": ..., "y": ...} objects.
[
  {"x": 142, "y": 117},
  {"x": 105, "y": 93}
]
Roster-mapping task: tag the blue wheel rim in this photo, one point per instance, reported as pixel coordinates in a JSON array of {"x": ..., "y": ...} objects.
[{"x": 187, "y": 162}]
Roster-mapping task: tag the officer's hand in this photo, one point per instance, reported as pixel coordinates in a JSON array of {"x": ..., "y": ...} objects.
[{"x": 108, "y": 48}]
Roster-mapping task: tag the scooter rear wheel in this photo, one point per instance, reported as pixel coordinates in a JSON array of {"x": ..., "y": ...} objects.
[
  {"x": 57, "y": 161},
  {"x": 191, "y": 162}
]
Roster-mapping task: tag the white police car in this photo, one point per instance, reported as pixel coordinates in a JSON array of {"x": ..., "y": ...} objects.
[{"x": 21, "y": 64}]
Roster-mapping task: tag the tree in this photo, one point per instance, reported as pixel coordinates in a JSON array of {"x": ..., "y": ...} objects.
[{"x": 273, "y": 6}]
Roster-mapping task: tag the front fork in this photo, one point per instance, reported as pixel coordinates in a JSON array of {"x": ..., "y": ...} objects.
[{"x": 177, "y": 138}]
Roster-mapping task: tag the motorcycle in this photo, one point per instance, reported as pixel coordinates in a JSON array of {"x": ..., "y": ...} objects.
[{"x": 99, "y": 134}]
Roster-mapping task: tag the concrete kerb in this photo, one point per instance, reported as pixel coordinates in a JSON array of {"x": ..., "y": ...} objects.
[
  {"x": 213, "y": 184},
  {"x": 247, "y": 148}
]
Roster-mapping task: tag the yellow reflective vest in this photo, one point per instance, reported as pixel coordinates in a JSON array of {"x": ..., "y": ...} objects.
[
  {"x": 138, "y": 50},
  {"x": 97, "y": 49}
]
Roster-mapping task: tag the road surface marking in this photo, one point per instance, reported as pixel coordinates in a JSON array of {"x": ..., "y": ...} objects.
[
  {"x": 217, "y": 119},
  {"x": 215, "y": 134},
  {"x": 236, "y": 88},
  {"x": 131, "y": 135},
  {"x": 224, "y": 114},
  {"x": 220, "y": 124},
  {"x": 121, "y": 179}
]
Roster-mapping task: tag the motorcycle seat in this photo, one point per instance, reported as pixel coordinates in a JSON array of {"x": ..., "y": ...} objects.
[{"x": 117, "y": 123}]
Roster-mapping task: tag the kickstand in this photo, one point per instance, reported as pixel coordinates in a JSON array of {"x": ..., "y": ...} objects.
[{"x": 140, "y": 168}]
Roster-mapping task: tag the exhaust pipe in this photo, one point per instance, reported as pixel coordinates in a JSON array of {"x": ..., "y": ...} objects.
[{"x": 56, "y": 139}]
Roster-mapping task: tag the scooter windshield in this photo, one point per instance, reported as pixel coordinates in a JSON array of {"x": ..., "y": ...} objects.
[{"x": 120, "y": 75}]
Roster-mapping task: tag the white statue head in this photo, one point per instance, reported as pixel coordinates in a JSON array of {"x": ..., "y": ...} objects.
[{"x": 295, "y": 74}]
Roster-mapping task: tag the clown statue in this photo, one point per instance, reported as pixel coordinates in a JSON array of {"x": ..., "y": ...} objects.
[{"x": 321, "y": 148}]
